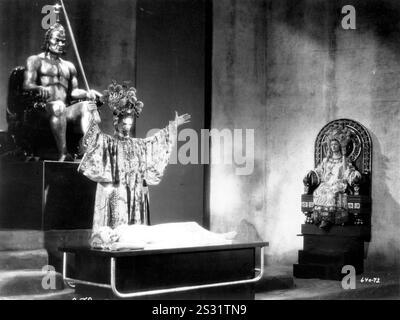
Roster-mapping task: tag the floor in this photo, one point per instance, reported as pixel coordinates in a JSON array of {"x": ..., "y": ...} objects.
[
  {"x": 388, "y": 288},
  {"x": 21, "y": 277}
]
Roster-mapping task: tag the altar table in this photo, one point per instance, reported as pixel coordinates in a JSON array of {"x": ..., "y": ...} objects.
[{"x": 204, "y": 272}]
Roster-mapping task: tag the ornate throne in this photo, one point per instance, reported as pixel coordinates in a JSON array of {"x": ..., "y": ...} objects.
[{"x": 326, "y": 251}]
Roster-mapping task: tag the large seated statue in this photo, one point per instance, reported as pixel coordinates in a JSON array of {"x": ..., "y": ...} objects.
[
  {"x": 46, "y": 90},
  {"x": 340, "y": 183}
]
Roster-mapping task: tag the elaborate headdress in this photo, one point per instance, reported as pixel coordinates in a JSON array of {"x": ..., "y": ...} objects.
[
  {"x": 341, "y": 134},
  {"x": 55, "y": 27},
  {"x": 121, "y": 99}
]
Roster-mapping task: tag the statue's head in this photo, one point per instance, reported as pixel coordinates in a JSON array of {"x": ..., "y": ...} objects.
[
  {"x": 338, "y": 140},
  {"x": 54, "y": 39},
  {"x": 334, "y": 146},
  {"x": 121, "y": 99}
]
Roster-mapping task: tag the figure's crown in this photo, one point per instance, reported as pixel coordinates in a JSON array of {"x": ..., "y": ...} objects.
[
  {"x": 121, "y": 99},
  {"x": 56, "y": 27},
  {"x": 340, "y": 133}
]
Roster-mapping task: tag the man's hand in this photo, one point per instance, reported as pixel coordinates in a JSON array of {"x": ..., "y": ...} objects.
[
  {"x": 180, "y": 120},
  {"x": 92, "y": 108},
  {"x": 91, "y": 105},
  {"x": 93, "y": 94},
  {"x": 43, "y": 92}
]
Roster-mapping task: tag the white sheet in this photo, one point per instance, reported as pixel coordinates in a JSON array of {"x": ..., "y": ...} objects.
[{"x": 166, "y": 235}]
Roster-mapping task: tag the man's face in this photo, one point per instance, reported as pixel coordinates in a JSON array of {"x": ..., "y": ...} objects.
[
  {"x": 125, "y": 126},
  {"x": 56, "y": 43}
]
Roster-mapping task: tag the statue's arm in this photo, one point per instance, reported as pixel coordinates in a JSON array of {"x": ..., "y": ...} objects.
[
  {"x": 32, "y": 67},
  {"x": 310, "y": 181},
  {"x": 313, "y": 178},
  {"x": 76, "y": 93}
]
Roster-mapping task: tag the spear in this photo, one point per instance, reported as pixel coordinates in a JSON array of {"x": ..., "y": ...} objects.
[{"x": 78, "y": 57}]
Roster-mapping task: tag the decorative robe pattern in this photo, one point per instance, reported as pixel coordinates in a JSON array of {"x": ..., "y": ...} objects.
[
  {"x": 122, "y": 168},
  {"x": 330, "y": 198}
]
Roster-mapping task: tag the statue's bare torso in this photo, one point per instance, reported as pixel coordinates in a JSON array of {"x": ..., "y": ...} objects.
[
  {"x": 56, "y": 75},
  {"x": 55, "y": 80}
]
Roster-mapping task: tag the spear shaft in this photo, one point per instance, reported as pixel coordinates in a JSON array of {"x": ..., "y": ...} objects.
[{"x": 78, "y": 57}]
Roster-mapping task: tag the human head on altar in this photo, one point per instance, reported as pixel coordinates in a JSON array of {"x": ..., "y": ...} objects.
[
  {"x": 55, "y": 39},
  {"x": 122, "y": 100}
]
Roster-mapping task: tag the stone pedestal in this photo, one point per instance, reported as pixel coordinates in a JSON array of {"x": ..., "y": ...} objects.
[
  {"x": 45, "y": 195},
  {"x": 326, "y": 252}
]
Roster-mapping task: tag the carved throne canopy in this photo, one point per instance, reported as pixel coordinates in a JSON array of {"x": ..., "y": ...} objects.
[{"x": 359, "y": 149}]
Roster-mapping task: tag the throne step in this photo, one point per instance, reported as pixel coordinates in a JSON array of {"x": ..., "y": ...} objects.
[
  {"x": 320, "y": 271},
  {"x": 338, "y": 259},
  {"x": 65, "y": 294},
  {"x": 333, "y": 244},
  {"x": 23, "y": 259},
  {"x": 27, "y": 282},
  {"x": 362, "y": 232},
  {"x": 21, "y": 239}
]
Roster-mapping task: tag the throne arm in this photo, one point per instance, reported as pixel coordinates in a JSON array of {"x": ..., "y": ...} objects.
[
  {"x": 354, "y": 180},
  {"x": 310, "y": 181}
]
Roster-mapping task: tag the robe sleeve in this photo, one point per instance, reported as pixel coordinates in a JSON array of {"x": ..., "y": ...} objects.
[
  {"x": 156, "y": 151},
  {"x": 99, "y": 159},
  {"x": 352, "y": 175}
]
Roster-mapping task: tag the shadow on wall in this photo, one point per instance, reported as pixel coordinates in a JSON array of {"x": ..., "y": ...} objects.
[
  {"x": 383, "y": 252},
  {"x": 309, "y": 17},
  {"x": 247, "y": 232}
]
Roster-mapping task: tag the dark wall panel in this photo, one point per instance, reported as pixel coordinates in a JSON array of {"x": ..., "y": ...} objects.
[{"x": 171, "y": 68}]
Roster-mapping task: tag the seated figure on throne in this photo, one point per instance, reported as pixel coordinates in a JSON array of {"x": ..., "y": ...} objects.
[
  {"x": 333, "y": 180},
  {"x": 54, "y": 81}
]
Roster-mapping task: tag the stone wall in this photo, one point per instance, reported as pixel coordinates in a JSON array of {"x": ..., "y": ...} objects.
[{"x": 286, "y": 68}]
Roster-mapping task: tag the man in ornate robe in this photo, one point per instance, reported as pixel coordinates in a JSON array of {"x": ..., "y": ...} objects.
[{"x": 122, "y": 165}]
